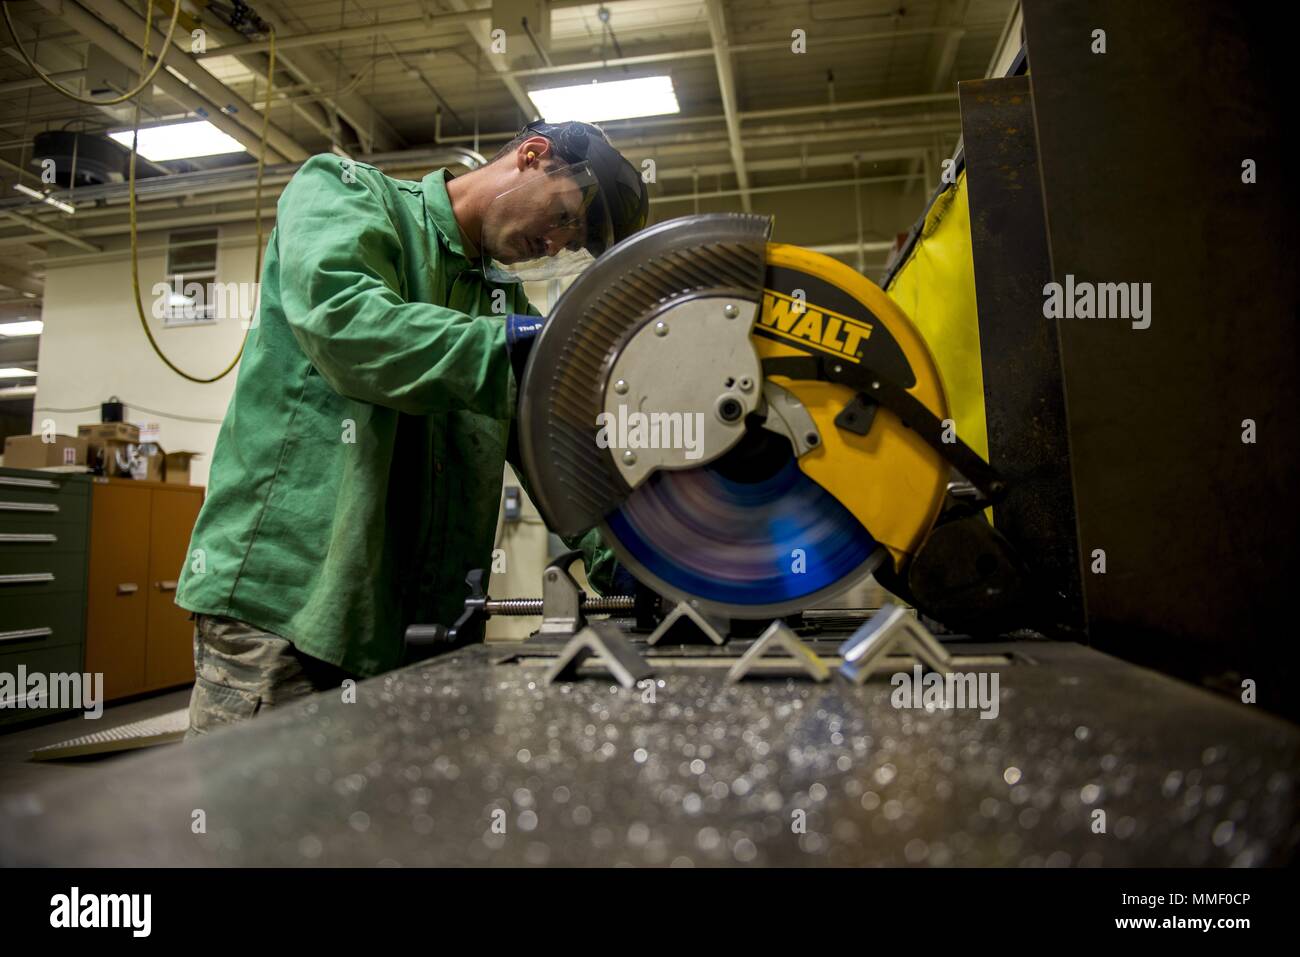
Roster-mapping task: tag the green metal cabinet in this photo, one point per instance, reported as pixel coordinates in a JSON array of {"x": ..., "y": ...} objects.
[{"x": 44, "y": 549}]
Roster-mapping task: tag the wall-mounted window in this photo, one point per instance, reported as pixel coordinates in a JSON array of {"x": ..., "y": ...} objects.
[{"x": 191, "y": 272}]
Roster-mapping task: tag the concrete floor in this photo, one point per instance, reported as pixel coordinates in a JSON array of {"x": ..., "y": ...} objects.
[{"x": 19, "y": 774}]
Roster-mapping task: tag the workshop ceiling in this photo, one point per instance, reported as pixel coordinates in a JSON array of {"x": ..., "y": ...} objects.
[{"x": 379, "y": 91}]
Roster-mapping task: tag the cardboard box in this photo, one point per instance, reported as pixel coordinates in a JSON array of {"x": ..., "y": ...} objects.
[
  {"x": 117, "y": 458},
  {"x": 35, "y": 452},
  {"x": 154, "y": 465},
  {"x": 177, "y": 469},
  {"x": 110, "y": 432},
  {"x": 113, "y": 448}
]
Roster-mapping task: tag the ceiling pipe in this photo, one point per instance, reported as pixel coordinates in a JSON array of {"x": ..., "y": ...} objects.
[
  {"x": 257, "y": 63},
  {"x": 619, "y": 128},
  {"x": 14, "y": 167},
  {"x": 478, "y": 29},
  {"x": 203, "y": 182},
  {"x": 760, "y": 140},
  {"x": 404, "y": 161},
  {"x": 111, "y": 218},
  {"x": 422, "y": 26},
  {"x": 179, "y": 61},
  {"x": 271, "y": 191},
  {"x": 850, "y": 105},
  {"x": 416, "y": 161},
  {"x": 783, "y": 188},
  {"x": 669, "y": 56},
  {"x": 188, "y": 184},
  {"x": 845, "y": 106},
  {"x": 20, "y": 281},
  {"x": 31, "y": 83},
  {"x": 727, "y": 87},
  {"x": 615, "y": 128},
  {"x": 52, "y": 231},
  {"x": 792, "y": 162},
  {"x": 376, "y": 133},
  {"x": 128, "y": 54},
  {"x": 236, "y": 216},
  {"x": 393, "y": 29},
  {"x": 939, "y": 63},
  {"x": 215, "y": 180}
]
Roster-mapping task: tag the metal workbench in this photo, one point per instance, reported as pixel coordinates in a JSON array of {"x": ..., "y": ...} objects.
[{"x": 419, "y": 769}]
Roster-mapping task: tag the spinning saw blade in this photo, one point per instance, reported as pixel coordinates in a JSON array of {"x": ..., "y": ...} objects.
[{"x": 728, "y": 411}]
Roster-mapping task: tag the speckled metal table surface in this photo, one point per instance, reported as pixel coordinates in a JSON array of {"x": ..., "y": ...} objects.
[{"x": 464, "y": 761}]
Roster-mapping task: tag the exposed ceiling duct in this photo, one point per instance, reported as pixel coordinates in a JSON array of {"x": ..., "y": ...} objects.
[{"x": 374, "y": 82}]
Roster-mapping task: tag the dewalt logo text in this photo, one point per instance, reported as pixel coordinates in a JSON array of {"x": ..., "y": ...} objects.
[{"x": 809, "y": 325}]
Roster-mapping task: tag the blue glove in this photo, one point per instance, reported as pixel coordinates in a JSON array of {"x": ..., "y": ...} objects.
[
  {"x": 624, "y": 582},
  {"x": 521, "y": 330}
]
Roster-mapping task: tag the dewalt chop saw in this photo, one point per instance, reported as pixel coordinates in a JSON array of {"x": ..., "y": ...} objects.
[{"x": 754, "y": 427}]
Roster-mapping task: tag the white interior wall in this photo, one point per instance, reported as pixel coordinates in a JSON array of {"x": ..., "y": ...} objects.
[{"x": 93, "y": 347}]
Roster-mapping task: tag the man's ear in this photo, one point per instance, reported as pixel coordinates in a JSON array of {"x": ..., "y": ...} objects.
[{"x": 532, "y": 152}]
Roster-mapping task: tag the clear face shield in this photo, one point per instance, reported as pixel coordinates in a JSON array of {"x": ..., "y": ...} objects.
[{"x": 554, "y": 225}]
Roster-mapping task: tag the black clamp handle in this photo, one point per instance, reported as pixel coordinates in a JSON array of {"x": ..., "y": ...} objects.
[{"x": 426, "y": 641}]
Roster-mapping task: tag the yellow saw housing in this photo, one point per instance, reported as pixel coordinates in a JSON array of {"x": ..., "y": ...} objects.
[{"x": 889, "y": 479}]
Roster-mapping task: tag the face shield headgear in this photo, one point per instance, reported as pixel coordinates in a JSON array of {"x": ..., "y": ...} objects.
[{"x": 557, "y": 223}]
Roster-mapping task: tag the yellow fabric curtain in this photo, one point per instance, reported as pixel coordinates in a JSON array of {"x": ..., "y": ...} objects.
[{"x": 936, "y": 288}]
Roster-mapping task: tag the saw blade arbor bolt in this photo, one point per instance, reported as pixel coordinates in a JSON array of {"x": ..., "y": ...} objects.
[{"x": 729, "y": 408}]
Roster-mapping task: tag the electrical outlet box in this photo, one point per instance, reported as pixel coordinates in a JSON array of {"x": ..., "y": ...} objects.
[{"x": 512, "y": 503}]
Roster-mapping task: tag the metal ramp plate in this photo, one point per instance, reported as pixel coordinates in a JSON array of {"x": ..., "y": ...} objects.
[{"x": 163, "y": 729}]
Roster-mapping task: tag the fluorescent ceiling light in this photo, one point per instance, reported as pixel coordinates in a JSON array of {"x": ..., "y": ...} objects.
[
  {"x": 29, "y": 327},
  {"x": 15, "y": 373},
  {"x": 180, "y": 141},
  {"x": 37, "y": 194},
  {"x": 616, "y": 100}
]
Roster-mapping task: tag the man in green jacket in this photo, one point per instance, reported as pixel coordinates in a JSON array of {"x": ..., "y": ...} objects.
[{"x": 357, "y": 474}]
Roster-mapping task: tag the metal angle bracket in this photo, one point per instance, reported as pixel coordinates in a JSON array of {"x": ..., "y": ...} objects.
[
  {"x": 778, "y": 637},
  {"x": 604, "y": 642},
  {"x": 706, "y": 625},
  {"x": 892, "y": 628}
]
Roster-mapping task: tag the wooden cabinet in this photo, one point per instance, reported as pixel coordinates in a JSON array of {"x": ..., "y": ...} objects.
[
  {"x": 169, "y": 657},
  {"x": 135, "y": 633}
]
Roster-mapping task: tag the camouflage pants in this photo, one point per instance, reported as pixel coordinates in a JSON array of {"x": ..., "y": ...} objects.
[{"x": 240, "y": 671}]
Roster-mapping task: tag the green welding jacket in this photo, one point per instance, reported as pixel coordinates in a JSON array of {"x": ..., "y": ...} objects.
[{"x": 357, "y": 474}]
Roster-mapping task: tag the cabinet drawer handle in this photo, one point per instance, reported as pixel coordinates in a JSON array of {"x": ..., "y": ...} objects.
[
  {"x": 127, "y": 588},
  {"x": 28, "y": 507},
  {"x": 22, "y": 633},
  {"x": 28, "y": 483},
  {"x": 29, "y": 538},
  {"x": 166, "y": 586},
  {"x": 27, "y": 579}
]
